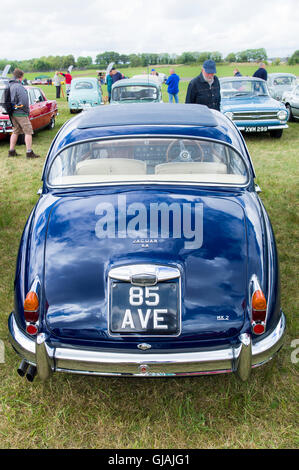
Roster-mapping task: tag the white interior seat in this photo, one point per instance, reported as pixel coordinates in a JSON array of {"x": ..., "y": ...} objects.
[
  {"x": 111, "y": 166},
  {"x": 191, "y": 168}
]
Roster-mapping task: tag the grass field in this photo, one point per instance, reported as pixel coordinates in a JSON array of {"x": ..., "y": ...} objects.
[{"x": 206, "y": 412}]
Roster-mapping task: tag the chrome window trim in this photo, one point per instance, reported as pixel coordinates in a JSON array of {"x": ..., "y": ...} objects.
[{"x": 148, "y": 181}]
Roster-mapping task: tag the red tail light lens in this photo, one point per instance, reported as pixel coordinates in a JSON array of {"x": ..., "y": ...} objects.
[
  {"x": 31, "y": 307},
  {"x": 31, "y": 329}
]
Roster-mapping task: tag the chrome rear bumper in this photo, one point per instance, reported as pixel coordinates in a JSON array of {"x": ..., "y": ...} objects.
[{"x": 240, "y": 358}]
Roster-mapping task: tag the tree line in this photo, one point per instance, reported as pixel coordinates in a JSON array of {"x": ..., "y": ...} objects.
[{"x": 49, "y": 63}]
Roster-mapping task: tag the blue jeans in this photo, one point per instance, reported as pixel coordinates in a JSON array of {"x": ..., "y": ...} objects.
[{"x": 171, "y": 96}]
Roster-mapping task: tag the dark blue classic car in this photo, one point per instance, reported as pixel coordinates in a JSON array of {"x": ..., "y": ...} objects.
[
  {"x": 247, "y": 102},
  {"x": 149, "y": 252}
]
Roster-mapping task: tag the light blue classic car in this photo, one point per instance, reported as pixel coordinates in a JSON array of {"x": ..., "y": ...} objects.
[
  {"x": 279, "y": 83},
  {"x": 85, "y": 93},
  {"x": 136, "y": 90},
  {"x": 247, "y": 102}
]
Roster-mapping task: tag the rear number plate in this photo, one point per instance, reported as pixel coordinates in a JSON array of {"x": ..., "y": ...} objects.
[{"x": 152, "y": 310}]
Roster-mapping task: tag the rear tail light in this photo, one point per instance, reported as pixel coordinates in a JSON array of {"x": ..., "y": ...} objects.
[
  {"x": 31, "y": 329},
  {"x": 31, "y": 312},
  {"x": 258, "y": 312}
]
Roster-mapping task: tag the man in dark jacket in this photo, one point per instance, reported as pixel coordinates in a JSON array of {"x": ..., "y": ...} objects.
[
  {"x": 116, "y": 75},
  {"x": 261, "y": 72},
  {"x": 20, "y": 115},
  {"x": 205, "y": 88}
]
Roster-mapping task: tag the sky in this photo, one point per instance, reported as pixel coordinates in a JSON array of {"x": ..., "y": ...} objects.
[{"x": 31, "y": 29}]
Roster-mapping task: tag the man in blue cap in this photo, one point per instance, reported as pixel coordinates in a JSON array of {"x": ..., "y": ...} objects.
[{"x": 205, "y": 88}]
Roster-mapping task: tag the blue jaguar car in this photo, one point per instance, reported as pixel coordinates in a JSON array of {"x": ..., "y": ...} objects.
[
  {"x": 247, "y": 102},
  {"x": 149, "y": 252}
]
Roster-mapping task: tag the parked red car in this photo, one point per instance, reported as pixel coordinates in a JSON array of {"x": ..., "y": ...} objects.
[{"x": 42, "y": 111}]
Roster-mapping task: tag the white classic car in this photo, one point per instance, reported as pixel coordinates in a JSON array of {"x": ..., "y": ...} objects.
[{"x": 291, "y": 100}]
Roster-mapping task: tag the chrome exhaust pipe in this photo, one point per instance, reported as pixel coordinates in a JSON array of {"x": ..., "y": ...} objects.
[
  {"x": 31, "y": 373},
  {"x": 22, "y": 368}
]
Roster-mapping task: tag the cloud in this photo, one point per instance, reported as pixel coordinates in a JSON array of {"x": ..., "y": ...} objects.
[{"x": 35, "y": 29}]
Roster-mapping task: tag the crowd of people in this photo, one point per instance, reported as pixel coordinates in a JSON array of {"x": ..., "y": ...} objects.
[{"x": 203, "y": 89}]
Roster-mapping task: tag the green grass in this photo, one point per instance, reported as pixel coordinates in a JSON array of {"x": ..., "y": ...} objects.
[{"x": 72, "y": 411}]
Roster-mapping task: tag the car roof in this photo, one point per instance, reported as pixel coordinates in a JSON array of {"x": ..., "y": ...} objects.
[
  {"x": 226, "y": 79},
  {"x": 281, "y": 74},
  {"x": 148, "y": 114},
  {"x": 92, "y": 79},
  {"x": 135, "y": 81}
]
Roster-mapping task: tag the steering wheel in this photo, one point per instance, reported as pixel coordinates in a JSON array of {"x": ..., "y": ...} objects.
[{"x": 184, "y": 154}]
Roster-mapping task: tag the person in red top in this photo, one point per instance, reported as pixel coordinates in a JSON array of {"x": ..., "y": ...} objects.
[{"x": 68, "y": 80}]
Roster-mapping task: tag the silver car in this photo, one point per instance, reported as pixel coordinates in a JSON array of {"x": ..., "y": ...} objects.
[
  {"x": 278, "y": 83},
  {"x": 291, "y": 100}
]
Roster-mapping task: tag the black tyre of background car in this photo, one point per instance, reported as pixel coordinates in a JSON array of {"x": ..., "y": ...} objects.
[
  {"x": 51, "y": 124},
  {"x": 291, "y": 118},
  {"x": 276, "y": 133},
  {"x": 21, "y": 139}
]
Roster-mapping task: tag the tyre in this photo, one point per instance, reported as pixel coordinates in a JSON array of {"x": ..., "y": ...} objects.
[
  {"x": 291, "y": 117},
  {"x": 276, "y": 133},
  {"x": 51, "y": 124}
]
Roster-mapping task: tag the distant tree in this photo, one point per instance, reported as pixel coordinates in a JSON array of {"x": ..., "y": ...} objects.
[
  {"x": 242, "y": 56},
  {"x": 294, "y": 59},
  {"x": 216, "y": 56},
  {"x": 83, "y": 62},
  {"x": 41, "y": 65},
  {"x": 68, "y": 60},
  {"x": 204, "y": 56},
  {"x": 124, "y": 59},
  {"x": 187, "y": 58},
  {"x": 231, "y": 57},
  {"x": 251, "y": 55},
  {"x": 107, "y": 57},
  {"x": 135, "y": 60},
  {"x": 164, "y": 58}
]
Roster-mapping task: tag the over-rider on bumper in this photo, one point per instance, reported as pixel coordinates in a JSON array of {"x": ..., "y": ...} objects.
[{"x": 239, "y": 358}]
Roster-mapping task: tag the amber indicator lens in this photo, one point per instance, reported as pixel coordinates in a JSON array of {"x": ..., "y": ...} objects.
[
  {"x": 31, "y": 306},
  {"x": 259, "y": 301}
]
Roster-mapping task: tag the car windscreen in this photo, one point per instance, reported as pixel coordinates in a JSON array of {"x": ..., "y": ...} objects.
[
  {"x": 284, "y": 81},
  {"x": 83, "y": 85},
  {"x": 156, "y": 159},
  {"x": 243, "y": 88},
  {"x": 134, "y": 92}
]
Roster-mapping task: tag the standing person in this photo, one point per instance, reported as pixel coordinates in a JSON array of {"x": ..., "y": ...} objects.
[
  {"x": 116, "y": 75},
  {"x": 68, "y": 81},
  {"x": 57, "y": 83},
  {"x": 205, "y": 88},
  {"x": 109, "y": 85},
  {"x": 173, "y": 86},
  {"x": 261, "y": 72},
  {"x": 20, "y": 115}
]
